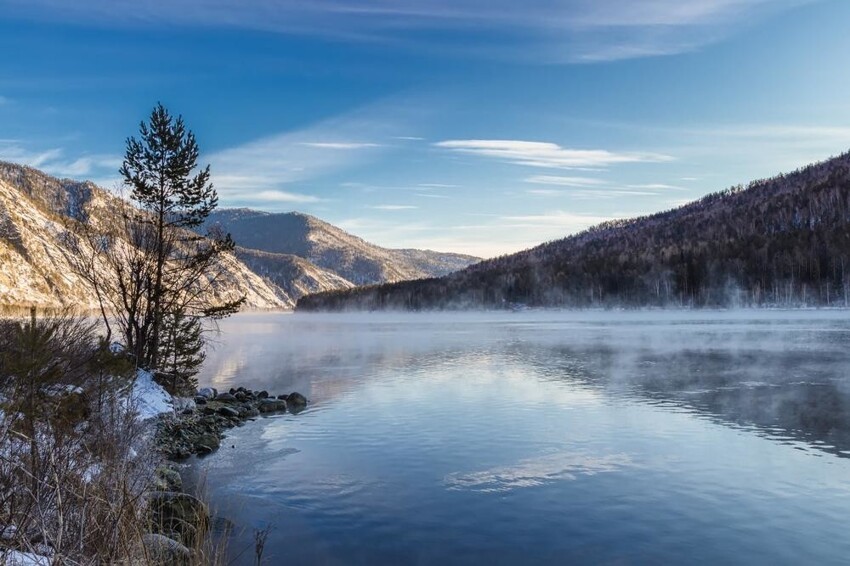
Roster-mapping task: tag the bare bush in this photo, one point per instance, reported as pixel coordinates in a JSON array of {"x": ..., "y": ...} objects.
[{"x": 76, "y": 466}]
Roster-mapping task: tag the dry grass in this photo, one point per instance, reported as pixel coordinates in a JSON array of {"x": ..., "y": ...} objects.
[{"x": 76, "y": 466}]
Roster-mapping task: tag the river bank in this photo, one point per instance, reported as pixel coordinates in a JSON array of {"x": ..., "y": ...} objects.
[
  {"x": 198, "y": 425},
  {"x": 180, "y": 520}
]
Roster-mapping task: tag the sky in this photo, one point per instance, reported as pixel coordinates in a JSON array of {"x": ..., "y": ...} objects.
[{"x": 472, "y": 126}]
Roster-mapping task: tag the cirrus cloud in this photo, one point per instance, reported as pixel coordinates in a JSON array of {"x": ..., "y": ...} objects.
[
  {"x": 543, "y": 32},
  {"x": 565, "y": 181},
  {"x": 547, "y": 154}
]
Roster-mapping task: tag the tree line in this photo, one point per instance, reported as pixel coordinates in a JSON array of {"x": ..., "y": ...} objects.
[{"x": 783, "y": 241}]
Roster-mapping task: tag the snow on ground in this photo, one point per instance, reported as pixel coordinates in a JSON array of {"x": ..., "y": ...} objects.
[
  {"x": 148, "y": 398},
  {"x": 17, "y": 558}
]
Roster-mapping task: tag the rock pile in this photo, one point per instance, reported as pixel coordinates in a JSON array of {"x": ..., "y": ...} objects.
[
  {"x": 199, "y": 424},
  {"x": 178, "y": 520}
]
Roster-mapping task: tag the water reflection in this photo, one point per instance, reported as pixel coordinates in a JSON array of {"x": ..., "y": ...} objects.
[
  {"x": 537, "y": 471},
  {"x": 800, "y": 393},
  {"x": 544, "y": 438},
  {"x": 782, "y": 375}
]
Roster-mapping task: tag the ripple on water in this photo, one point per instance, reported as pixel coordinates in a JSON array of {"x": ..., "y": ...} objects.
[{"x": 516, "y": 440}]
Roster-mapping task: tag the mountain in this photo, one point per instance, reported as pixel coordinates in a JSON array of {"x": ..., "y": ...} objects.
[
  {"x": 331, "y": 248},
  {"x": 280, "y": 256},
  {"x": 295, "y": 276},
  {"x": 35, "y": 263},
  {"x": 779, "y": 241}
]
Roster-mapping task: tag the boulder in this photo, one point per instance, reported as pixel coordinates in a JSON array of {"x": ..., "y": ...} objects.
[
  {"x": 183, "y": 403},
  {"x": 207, "y": 392},
  {"x": 271, "y": 405},
  {"x": 295, "y": 399},
  {"x": 227, "y": 398},
  {"x": 229, "y": 412},
  {"x": 200, "y": 400},
  {"x": 72, "y": 407},
  {"x": 263, "y": 395},
  {"x": 206, "y": 443},
  {"x": 175, "y": 511},
  {"x": 178, "y": 452},
  {"x": 168, "y": 479},
  {"x": 159, "y": 549}
]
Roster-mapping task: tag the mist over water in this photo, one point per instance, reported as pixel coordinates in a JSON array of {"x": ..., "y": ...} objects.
[{"x": 541, "y": 437}]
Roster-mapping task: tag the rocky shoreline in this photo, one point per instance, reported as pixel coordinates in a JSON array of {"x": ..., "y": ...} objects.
[
  {"x": 179, "y": 520},
  {"x": 199, "y": 424}
]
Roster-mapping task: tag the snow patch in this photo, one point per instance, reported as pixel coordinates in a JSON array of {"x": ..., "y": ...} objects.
[
  {"x": 17, "y": 558},
  {"x": 148, "y": 398}
]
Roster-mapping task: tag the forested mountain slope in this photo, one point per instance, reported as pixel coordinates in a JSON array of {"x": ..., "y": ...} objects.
[{"x": 779, "y": 241}]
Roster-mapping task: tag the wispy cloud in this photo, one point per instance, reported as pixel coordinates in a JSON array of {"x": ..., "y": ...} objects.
[
  {"x": 437, "y": 186},
  {"x": 85, "y": 166},
  {"x": 596, "y": 194},
  {"x": 270, "y": 163},
  {"x": 568, "y": 30},
  {"x": 4, "y": 100},
  {"x": 565, "y": 181},
  {"x": 16, "y": 153},
  {"x": 274, "y": 165},
  {"x": 657, "y": 187},
  {"x": 489, "y": 236},
  {"x": 393, "y": 207},
  {"x": 55, "y": 161},
  {"x": 546, "y": 154},
  {"x": 283, "y": 197},
  {"x": 568, "y": 222},
  {"x": 340, "y": 145},
  {"x": 767, "y": 149},
  {"x": 545, "y": 192}
]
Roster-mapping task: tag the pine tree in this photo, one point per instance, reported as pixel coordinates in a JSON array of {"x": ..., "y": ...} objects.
[
  {"x": 159, "y": 169},
  {"x": 154, "y": 262},
  {"x": 182, "y": 352}
]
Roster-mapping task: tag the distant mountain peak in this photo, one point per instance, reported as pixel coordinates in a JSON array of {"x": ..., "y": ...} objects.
[{"x": 333, "y": 249}]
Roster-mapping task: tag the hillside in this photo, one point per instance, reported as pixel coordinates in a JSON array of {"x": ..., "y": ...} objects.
[
  {"x": 333, "y": 249},
  {"x": 281, "y": 256},
  {"x": 295, "y": 276},
  {"x": 779, "y": 241},
  {"x": 35, "y": 266}
]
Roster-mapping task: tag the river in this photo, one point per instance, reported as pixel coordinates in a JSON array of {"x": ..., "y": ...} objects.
[{"x": 539, "y": 437}]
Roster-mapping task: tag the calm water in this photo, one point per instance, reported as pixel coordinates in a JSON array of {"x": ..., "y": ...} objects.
[{"x": 529, "y": 438}]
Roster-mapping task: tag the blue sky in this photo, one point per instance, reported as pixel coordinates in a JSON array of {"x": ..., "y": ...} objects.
[{"x": 478, "y": 126}]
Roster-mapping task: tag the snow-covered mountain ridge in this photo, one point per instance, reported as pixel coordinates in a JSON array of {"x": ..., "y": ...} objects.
[{"x": 36, "y": 265}]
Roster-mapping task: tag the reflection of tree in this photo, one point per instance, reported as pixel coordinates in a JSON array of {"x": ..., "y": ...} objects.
[
  {"x": 760, "y": 390},
  {"x": 782, "y": 385}
]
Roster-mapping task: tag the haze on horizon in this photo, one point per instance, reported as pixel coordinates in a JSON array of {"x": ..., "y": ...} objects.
[{"x": 465, "y": 126}]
